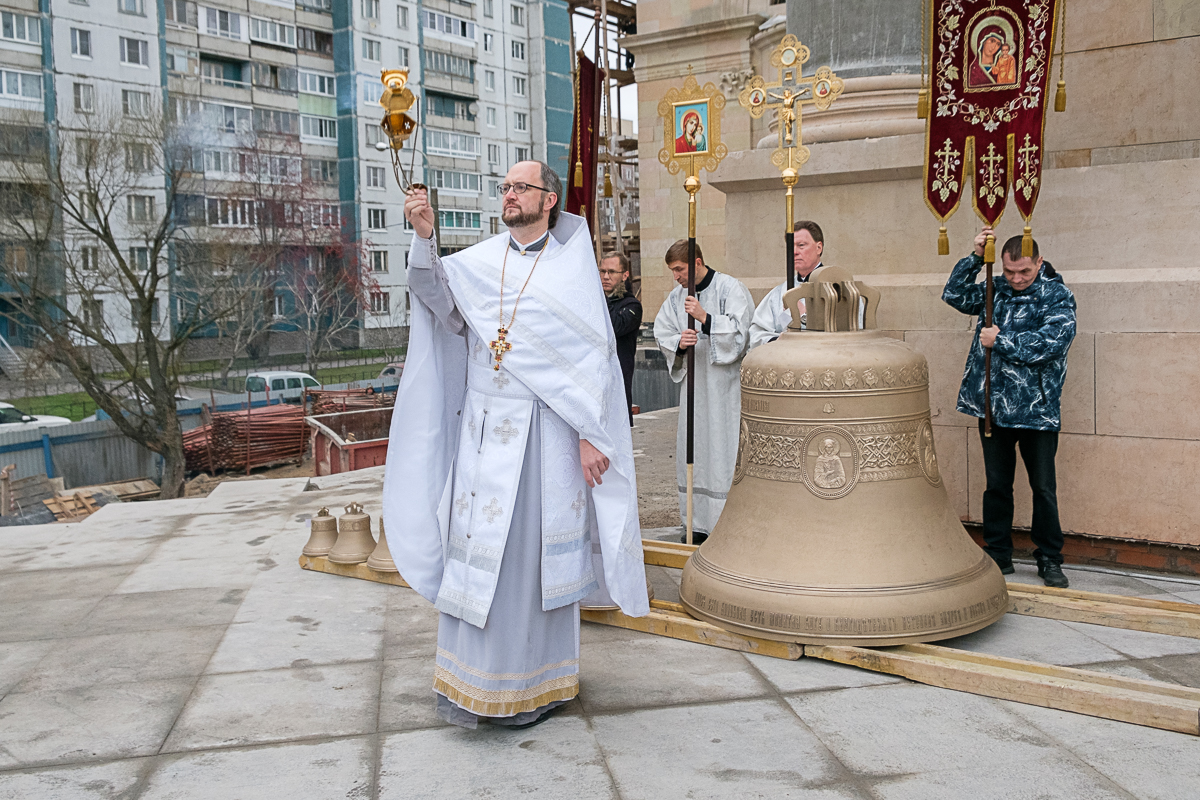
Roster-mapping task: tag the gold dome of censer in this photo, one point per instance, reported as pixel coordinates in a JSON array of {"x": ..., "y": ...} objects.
[{"x": 837, "y": 529}]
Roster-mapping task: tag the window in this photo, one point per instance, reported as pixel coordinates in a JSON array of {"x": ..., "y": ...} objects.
[
  {"x": 521, "y": 153},
  {"x": 459, "y": 219},
  {"x": 135, "y": 104},
  {"x": 183, "y": 61},
  {"x": 318, "y": 83},
  {"x": 370, "y": 9},
  {"x": 271, "y": 121},
  {"x": 180, "y": 12},
  {"x": 404, "y": 56},
  {"x": 402, "y": 17},
  {"x": 22, "y": 84},
  {"x": 379, "y": 260},
  {"x": 318, "y": 127},
  {"x": 231, "y": 213},
  {"x": 272, "y": 32},
  {"x": 139, "y": 258},
  {"x": 449, "y": 143},
  {"x": 489, "y": 42},
  {"x": 455, "y": 181},
  {"x": 321, "y": 170},
  {"x": 494, "y": 224},
  {"x": 491, "y": 117},
  {"x": 439, "y": 105},
  {"x": 518, "y": 51},
  {"x": 372, "y": 50},
  {"x": 139, "y": 158},
  {"x": 135, "y": 309},
  {"x": 377, "y": 219},
  {"x": 86, "y": 152},
  {"x": 222, "y": 73},
  {"x": 89, "y": 258},
  {"x": 518, "y": 86},
  {"x": 380, "y": 301},
  {"x": 81, "y": 43},
  {"x": 135, "y": 52},
  {"x": 314, "y": 41},
  {"x": 141, "y": 208},
  {"x": 132, "y": 7},
  {"x": 493, "y": 189},
  {"x": 93, "y": 312},
  {"x": 85, "y": 98},
  {"x": 376, "y": 177},
  {"x": 374, "y": 135},
  {"x": 16, "y": 259},
  {"x": 521, "y": 121},
  {"x": 20, "y": 28},
  {"x": 493, "y": 154},
  {"x": 270, "y": 76},
  {"x": 223, "y": 23},
  {"x": 280, "y": 306},
  {"x": 231, "y": 119},
  {"x": 489, "y": 80},
  {"x": 518, "y": 15},
  {"x": 447, "y": 24},
  {"x": 316, "y": 5},
  {"x": 325, "y": 215},
  {"x": 487, "y": 8},
  {"x": 372, "y": 89},
  {"x": 447, "y": 64}
]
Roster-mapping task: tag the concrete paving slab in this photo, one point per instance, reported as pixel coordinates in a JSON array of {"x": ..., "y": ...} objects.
[
  {"x": 147, "y": 525},
  {"x": 754, "y": 748},
  {"x": 123, "y": 658},
  {"x": 340, "y": 768},
  {"x": 110, "y": 781},
  {"x": 411, "y": 626},
  {"x": 1050, "y": 776},
  {"x": 154, "y": 575},
  {"x": 649, "y": 671},
  {"x": 232, "y": 546},
  {"x": 141, "y": 511},
  {"x": 407, "y": 700},
  {"x": 89, "y": 724},
  {"x": 274, "y": 489},
  {"x": 149, "y": 611},
  {"x": 813, "y": 674},
  {"x": 557, "y": 759},
  {"x": 1034, "y": 639},
  {"x": 20, "y": 539},
  {"x": 27, "y": 620},
  {"x": 1106, "y": 583},
  {"x": 1137, "y": 644},
  {"x": 278, "y": 705},
  {"x": 1151, "y": 764},
  {"x": 64, "y": 554},
  {"x": 18, "y": 659},
  {"x": 1184, "y": 670},
  {"x": 49, "y": 584}
]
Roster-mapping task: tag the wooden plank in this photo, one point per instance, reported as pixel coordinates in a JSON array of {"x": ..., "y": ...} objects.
[
  {"x": 1142, "y": 602},
  {"x": 678, "y": 625},
  {"x": 1126, "y": 700},
  {"x": 360, "y": 571},
  {"x": 1131, "y": 613},
  {"x": 666, "y": 554}
]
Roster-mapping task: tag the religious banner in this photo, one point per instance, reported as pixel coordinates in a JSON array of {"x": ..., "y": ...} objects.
[
  {"x": 581, "y": 190},
  {"x": 989, "y": 78}
]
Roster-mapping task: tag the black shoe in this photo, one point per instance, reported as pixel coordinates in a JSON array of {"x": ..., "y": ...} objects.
[
  {"x": 697, "y": 537},
  {"x": 1051, "y": 572},
  {"x": 1006, "y": 567},
  {"x": 550, "y": 713}
]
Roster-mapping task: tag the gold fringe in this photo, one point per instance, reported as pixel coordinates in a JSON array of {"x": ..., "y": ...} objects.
[
  {"x": 565, "y": 688},
  {"x": 1060, "y": 97},
  {"x": 923, "y": 104},
  {"x": 1027, "y": 243},
  {"x": 943, "y": 242}
]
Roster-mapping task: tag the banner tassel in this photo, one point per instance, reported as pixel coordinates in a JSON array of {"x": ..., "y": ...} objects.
[
  {"x": 989, "y": 250},
  {"x": 1027, "y": 243},
  {"x": 1060, "y": 97},
  {"x": 923, "y": 104},
  {"x": 608, "y": 189},
  {"x": 578, "y": 175},
  {"x": 943, "y": 242}
]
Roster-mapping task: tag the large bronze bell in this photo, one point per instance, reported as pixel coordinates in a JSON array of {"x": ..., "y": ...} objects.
[
  {"x": 355, "y": 542},
  {"x": 837, "y": 529},
  {"x": 323, "y": 534},
  {"x": 381, "y": 558}
]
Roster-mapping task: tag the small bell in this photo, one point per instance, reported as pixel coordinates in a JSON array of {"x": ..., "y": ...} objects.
[
  {"x": 1027, "y": 243},
  {"x": 355, "y": 544},
  {"x": 608, "y": 190},
  {"x": 323, "y": 534},
  {"x": 923, "y": 104},
  {"x": 578, "y": 183},
  {"x": 943, "y": 242},
  {"x": 381, "y": 559},
  {"x": 1060, "y": 97}
]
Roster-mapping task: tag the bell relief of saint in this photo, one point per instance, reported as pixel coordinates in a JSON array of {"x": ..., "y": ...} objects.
[{"x": 830, "y": 473}]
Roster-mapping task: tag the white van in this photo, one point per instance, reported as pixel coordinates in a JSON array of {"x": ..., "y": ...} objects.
[{"x": 277, "y": 381}]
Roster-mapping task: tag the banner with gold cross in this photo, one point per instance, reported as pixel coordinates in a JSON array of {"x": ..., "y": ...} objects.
[{"x": 989, "y": 75}]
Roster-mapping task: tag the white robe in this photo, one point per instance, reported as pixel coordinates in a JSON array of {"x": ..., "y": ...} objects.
[{"x": 718, "y": 391}]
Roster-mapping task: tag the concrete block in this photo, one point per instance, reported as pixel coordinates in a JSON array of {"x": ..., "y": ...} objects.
[
  {"x": 1035, "y": 639},
  {"x": 27, "y": 620},
  {"x": 1079, "y": 389},
  {"x": 150, "y": 611},
  {"x": 406, "y": 697},
  {"x": 1147, "y": 384},
  {"x": 61, "y": 584},
  {"x": 946, "y": 352},
  {"x": 17, "y": 659},
  {"x": 90, "y": 782},
  {"x": 1175, "y": 19},
  {"x": 1096, "y": 29},
  {"x": 278, "y": 705},
  {"x": 815, "y": 675},
  {"x": 64, "y": 554},
  {"x": 411, "y": 626},
  {"x": 1138, "y": 644}
]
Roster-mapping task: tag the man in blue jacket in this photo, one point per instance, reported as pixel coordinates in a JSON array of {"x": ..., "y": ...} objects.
[{"x": 1034, "y": 323}]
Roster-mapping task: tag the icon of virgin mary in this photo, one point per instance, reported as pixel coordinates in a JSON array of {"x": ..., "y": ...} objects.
[
  {"x": 994, "y": 63},
  {"x": 692, "y": 139}
]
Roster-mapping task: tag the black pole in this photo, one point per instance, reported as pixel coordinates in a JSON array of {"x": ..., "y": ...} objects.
[
  {"x": 691, "y": 356},
  {"x": 790, "y": 239}
]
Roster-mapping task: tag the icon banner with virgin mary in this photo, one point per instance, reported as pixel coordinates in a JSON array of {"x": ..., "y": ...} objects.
[{"x": 989, "y": 78}]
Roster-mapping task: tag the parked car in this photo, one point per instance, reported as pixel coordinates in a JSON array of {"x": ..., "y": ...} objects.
[
  {"x": 392, "y": 370},
  {"x": 12, "y": 418},
  {"x": 277, "y": 381}
]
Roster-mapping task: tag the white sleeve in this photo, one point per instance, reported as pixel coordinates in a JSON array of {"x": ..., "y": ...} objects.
[{"x": 427, "y": 281}]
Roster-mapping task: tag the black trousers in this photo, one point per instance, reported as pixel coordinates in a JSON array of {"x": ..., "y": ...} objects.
[{"x": 1038, "y": 449}]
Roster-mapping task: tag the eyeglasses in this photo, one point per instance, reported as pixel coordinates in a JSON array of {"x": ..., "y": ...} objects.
[
  {"x": 519, "y": 188},
  {"x": 612, "y": 272}
]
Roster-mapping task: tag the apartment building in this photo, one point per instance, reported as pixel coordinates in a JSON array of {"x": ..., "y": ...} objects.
[{"x": 294, "y": 85}]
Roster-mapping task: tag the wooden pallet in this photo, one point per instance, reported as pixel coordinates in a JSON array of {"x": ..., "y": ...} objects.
[
  {"x": 73, "y": 507},
  {"x": 360, "y": 571}
]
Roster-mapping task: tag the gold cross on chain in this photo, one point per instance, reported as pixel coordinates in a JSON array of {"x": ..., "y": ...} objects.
[{"x": 500, "y": 346}]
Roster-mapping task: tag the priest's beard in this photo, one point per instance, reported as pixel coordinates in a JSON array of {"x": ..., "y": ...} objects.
[{"x": 514, "y": 217}]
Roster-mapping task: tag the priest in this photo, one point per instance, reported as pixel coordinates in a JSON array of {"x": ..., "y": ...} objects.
[
  {"x": 771, "y": 318},
  {"x": 722, "y": 309},
  {"x": 510, "y": 454}
]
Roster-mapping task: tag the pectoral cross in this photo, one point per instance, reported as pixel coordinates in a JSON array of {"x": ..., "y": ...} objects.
[{"x": 500, "y": 346}]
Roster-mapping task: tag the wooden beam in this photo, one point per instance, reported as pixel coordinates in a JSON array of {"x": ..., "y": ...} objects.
[
  {"x": 360, "y": 571},
  {"x": 666, "y": 554},
  {"x": 1114, "y": 611},
  {"x": 1149, "y": 703},
  {"x": 665, "y": 620}
]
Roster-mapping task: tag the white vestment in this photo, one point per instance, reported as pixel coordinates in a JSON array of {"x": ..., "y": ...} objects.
[
  {"x": 718, "y": 390},
  {"x": 456, "y": 488}
]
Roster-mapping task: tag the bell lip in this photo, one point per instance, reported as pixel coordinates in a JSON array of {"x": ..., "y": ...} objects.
[
  {"x": 316, "y": 552},
  {"x": 348, "y": 558},
  {"x": 382, "y": 565}
]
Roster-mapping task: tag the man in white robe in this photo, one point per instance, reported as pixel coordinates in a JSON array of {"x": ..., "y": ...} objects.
[
  {"x": 722, "y": 309},
  {"x": 771, "y": 318},
  {"x": 510, "y": 454}
]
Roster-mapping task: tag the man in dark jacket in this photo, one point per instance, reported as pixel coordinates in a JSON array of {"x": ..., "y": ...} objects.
[
  {"x": 1034, "y": 323},
  {"x": 626, "y": 313}
]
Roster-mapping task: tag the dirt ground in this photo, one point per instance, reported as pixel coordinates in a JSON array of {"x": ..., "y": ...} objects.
[{"x": 653, "y": 453}]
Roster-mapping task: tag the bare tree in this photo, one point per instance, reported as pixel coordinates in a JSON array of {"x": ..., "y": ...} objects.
[{"x": 331, "y": 288}]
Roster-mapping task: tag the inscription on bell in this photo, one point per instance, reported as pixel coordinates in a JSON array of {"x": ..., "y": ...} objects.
[{"x": 756, "y": 405}]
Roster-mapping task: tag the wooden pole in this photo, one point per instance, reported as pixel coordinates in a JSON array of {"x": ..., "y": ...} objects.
[{"x": 989, "y": 258}]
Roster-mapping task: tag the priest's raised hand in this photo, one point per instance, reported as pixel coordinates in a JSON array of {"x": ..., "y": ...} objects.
[{"x": 419, "y": 213}]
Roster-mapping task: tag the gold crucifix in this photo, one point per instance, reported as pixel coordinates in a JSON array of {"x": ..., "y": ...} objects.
[{"x": 500, "y": 346}]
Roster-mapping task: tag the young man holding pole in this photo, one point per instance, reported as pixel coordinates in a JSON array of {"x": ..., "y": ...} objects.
[{"x": 1033, "y": 324}]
